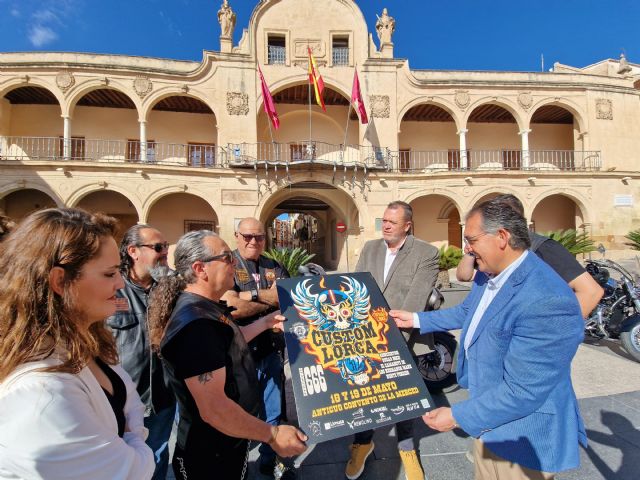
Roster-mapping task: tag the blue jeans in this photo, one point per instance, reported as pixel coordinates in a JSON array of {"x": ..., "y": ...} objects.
[
  {"x": 159, "y": 426},
  {"x": 269, "y": 371}
]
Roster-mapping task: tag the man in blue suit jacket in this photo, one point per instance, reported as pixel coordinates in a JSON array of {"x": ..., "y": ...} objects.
[{"x": 521, "y": 326}]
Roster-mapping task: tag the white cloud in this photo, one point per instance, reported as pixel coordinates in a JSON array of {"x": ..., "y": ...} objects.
[
  {"x": 15, "y": 13},
  {"x": 44, "y": 16},
  {"x": 40, "y": 35},
  {"x": 47, "y": 18}
]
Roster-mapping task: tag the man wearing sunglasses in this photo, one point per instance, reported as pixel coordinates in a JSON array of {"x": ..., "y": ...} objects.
[
  {"x": 143, "y": 256},
  {"x": 255, "y": 295}
]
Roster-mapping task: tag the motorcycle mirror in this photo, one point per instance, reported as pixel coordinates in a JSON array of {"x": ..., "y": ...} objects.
[{"x": 602, "y": 250}]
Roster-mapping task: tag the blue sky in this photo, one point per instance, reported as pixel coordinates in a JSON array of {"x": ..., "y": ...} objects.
[{"x": 432, "y": 34}]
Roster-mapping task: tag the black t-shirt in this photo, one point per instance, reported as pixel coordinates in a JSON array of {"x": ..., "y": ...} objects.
[
  {"x": 202, "y": 346},
  {"x": 559, "y": 258}
]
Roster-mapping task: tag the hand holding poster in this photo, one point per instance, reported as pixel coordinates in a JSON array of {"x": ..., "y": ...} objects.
[{"x": 351, "y": 368}]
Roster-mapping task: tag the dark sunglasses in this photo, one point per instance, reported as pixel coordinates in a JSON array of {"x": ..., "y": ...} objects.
[
  {"x": 250, "y": 236},
  {"x": 158, "y": 247},
  {"x": 226, "y": 257}
]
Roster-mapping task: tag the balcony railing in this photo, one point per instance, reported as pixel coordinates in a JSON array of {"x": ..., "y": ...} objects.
[
  {"x": 505, "y": 159},
  {"x": 291, "y": 154},
  {"x": 277, "y": 55},
  {"x": 305, "y": 152},
  {"x": 110, "y": 151},
  {"x": 340, "y": 56}
]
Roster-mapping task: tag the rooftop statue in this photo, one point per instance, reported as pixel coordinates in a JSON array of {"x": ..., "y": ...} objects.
[
  {"x": 227, "y": 19},
  {"x": 385, "y": 26},
  {"x": 623, "y": 65}
]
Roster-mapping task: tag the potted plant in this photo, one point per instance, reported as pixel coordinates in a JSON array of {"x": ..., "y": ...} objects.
[
  {"x": 290, "y": 258},
  {"x": 634, "y": 239},
  {"x": 572, "y": 240},
  {"x": 450, "y": 257}
]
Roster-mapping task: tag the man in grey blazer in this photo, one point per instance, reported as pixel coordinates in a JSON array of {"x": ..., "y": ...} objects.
[{"x": 405, "y": 268}]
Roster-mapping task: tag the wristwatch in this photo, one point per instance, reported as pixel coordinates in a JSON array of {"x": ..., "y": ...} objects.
[{"x": 254, "y": 295}]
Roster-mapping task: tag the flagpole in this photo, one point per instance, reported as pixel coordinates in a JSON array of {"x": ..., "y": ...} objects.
[
  {"x": 346, "y": 130},
  {"x": 309, "y": 90}
]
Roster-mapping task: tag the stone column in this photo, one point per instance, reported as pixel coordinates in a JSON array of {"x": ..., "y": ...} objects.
[
  {"x": 464, "y": 161},
  {"x": 66, "y": 138},
  {"x": 143, "y": 141},
  {"x": 524, "y": 134}
]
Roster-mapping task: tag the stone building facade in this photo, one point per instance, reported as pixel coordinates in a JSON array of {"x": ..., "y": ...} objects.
[{"x": 184, "y": 145}]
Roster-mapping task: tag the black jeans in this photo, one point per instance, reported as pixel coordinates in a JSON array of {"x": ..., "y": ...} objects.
[{"x": 229, "y": 464}]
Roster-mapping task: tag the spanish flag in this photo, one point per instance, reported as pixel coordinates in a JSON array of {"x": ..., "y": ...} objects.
[{"x": 316, "y": 79}]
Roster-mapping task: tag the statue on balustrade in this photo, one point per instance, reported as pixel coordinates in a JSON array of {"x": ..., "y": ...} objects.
[
  {"x": 227, "y": 19},
  {"x": 385, "y": 26}
]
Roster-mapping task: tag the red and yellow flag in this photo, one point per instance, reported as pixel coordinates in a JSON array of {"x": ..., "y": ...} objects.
[{"x": 316, "y": 79}]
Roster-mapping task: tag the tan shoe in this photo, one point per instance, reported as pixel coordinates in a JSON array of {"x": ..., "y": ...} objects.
[
  {"x": 411, "y": 463},
  {"x": 359, "y": 455}
]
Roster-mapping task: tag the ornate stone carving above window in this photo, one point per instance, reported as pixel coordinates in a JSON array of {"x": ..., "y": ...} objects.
[
  {"x": 462, "y": 99},
  {"x": 65, "y": 80},
  {"x": 604, "y": 109},
  {"x": 237, "y": 103},
  {"x": 380, "y": 106},
  {"x": 143, "y": 86},
  {"x": 300, "y": 48},
  {"x": 525, "y": 100}
]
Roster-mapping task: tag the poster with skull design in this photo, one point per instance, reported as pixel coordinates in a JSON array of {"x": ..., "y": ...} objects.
[{"x": 350, "y": 366}]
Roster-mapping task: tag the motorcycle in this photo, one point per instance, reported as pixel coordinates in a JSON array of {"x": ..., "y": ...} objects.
[
  {"x": 436, "y": 366},
  {"x": 617, "y": 315}
]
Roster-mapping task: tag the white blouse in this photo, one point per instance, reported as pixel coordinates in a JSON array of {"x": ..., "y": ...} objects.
[{"x": 61, "y": 426}]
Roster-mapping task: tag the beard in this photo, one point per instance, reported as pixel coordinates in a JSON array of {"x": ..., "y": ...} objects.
[{"x": 158, "y": 272}]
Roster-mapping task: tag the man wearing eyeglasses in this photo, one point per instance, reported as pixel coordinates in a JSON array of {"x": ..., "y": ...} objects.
[
  {"x": 255, "y": 295},
  {"x": 143, "y": 256},
  {"x": 521, "y": 327}
]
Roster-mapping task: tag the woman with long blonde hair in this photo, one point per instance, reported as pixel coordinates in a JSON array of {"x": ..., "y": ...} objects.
[{"x": 66, "y": 409}]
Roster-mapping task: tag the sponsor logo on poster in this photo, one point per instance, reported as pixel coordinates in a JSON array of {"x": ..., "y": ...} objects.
[
  {"x": 359, "y": 413},
  {"x": 299, "y": 329},
  {"x": 334, "y": 424},
  {"x": 315, "y": 428},
  {"x": 398, "y": 410},
  {"x": 412, "y": 406},
  {"x": 360, "y": 422},
  {"x": 383, "y": 418}
]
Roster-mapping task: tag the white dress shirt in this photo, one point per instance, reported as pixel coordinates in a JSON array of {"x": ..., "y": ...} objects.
[
  {"x": 389, "y": 258},
  {"x": 493, "y": 287}
]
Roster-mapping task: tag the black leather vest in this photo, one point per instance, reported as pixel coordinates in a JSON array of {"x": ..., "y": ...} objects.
[
  {"x": 269, "y": 270},
  {"x": 241, "y": 384}
]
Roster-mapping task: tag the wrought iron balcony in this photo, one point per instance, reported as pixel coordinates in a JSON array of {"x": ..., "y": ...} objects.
[
  {"x": 292, "y": 154},
  {"x": 110, "y": 151},
  {"x": 504, "y": 159},
  {"x": 308, "y": 152}
]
